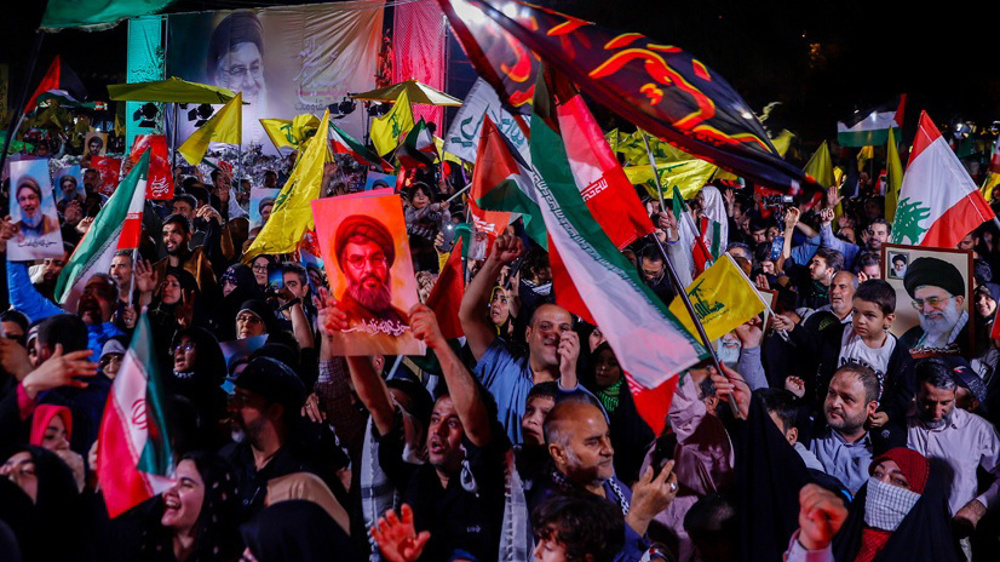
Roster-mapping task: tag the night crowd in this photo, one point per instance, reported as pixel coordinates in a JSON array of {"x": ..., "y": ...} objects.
[{"x": 823, "y": 438}]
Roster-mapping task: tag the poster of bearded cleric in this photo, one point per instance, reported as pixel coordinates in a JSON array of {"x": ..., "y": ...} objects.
[
  {"x": 367, "y": 255},
  {"x": 33, "y": 213},
  {"x": 285, "y": 60},
  {"x": 933, "y": 298}
]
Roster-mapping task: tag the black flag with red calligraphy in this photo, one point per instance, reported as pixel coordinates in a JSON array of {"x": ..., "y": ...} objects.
[{"x": 659, "y": 87}]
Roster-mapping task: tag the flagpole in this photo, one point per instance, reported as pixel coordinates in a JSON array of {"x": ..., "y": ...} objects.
[
  {"x": 682, "y": 294},
  {"x": 656, "y": 173},
  {"x": 459, "y": 192}
]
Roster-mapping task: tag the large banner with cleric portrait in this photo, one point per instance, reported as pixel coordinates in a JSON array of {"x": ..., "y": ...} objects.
[
  {"x": 285, "y": 60},
  {"x": 366, "y": 251}
]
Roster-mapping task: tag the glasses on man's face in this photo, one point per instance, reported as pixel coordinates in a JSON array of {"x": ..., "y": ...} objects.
[
  {"x": 239, "y": 72},
  {"x": 935, "y": 302},
  {"x": 358, "y": 262}
]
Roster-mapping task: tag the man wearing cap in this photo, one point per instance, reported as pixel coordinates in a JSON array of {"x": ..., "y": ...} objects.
[
  {"x": 938, "y": 292},
  {"x": 34, "y": 223},
  {"x": 365, "y": 253},
  {"x": 264, "y": 409}
]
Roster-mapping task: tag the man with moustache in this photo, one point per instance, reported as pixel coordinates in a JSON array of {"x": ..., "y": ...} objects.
[
  {"x": 34, "y": 223},
  {"x": 176, "y": 235},
  {"x": 365, "y": 253},
  {"x": 121, "y": 272},
  {"x": 938, "y": 293}
]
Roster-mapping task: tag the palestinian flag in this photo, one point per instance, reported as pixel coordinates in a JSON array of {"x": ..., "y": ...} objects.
[
  {"x": 418, "y": 148},
  {"x": 938, "y": 202},
  {"x": 117, "y": 226},
  {"x": 447, "y": 293},
  {"x": 134, "y": 460},
  {"x": 650, "y": 343},
  {"x": 343, "y": 143},
  {"x": 59, "y": 83},
  {"x": 871, "y": 127},
  {"x": 503, "y": 179}
]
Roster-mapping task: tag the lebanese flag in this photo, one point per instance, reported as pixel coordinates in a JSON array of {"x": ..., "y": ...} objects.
[
  {"x": 603, "y": 184},
  {"x": 652, "y": 346},
  {"x": 59, "y": 82},
  {"x": 447, "y": 293},
  {"x": 938, "y": 203},
  {"x": 117, "y": 226},
  {"x": 134, "y": 460}
]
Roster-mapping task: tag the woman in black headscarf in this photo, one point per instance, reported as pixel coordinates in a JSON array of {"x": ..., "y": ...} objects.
[
  {"x": 57, "y": 507},
  {"x": 296, "y": 531},
  {"x": 194, "y": 521},
  {"x": 238, "y": 286},
  {"x": 196, "y": 372},
  {"x": 176, "y": 305}
]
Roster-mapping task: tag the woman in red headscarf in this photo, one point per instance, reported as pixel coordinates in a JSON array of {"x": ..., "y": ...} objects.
[
  {"x": 52, "y": 428},
  {"x": 900, "y": 514}
]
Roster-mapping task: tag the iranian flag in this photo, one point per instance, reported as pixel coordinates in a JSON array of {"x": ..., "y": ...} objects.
[
  {"x": 652, "y": 346},
  {"x": 134, "y": 460},
  {"x": 938, "y": 203},
  {"x": 689, "y": 235},
  {"x": 871, "y": 127},
  {"x": 605, "y": 188},
  {"x": 418, "y": 148},
  {"x": 343, "y": 143},
  {"x": 117, "y": 226}
]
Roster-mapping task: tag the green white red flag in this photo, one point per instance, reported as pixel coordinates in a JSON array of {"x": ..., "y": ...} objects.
[
  {"x": 117, "y": 226},
  {"x": 134, "y": 458},
  {"x": 938, "y": 203},
  {"x": 418, "y": 148},
  {"x": 343, "y": 143},
  {"x": 652, "y": 346}
]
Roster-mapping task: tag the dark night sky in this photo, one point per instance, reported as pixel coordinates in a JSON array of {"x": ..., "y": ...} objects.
[{"x": 867, "y": 52}]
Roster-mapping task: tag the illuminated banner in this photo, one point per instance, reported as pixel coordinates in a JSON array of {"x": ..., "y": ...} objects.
[{"x": 286, "y": 61}]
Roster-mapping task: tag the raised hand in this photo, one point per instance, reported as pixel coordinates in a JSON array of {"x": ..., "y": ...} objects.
[
  {"x": 397, "y": 538},
  {"x": 732, "y": 384},
  {"x": 651, "y": 495},
  {"x": 146, "y": 278},
  {"x": 568, "y": 352},
  {"x": 330, "y": 317},
  {"x": 750, "y": 333},
  {"x": 60, "y": 370},
  {"x": 507, "y": 249},
  {"x": 821, "y": 514},
  {"x": 425, "y": 327},
  {"x": 796, "y": 386}
]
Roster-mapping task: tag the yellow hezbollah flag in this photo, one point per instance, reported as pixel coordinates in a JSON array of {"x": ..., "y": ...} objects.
[
  {"x": 225, "y": 126},
  {"x": 387, "y": 130},
  {"x": 895, "y": 169},
  {"x": 722, "y": 297},
  {"x": 989, "y": 185},
  {"x": 290, "y": 134},
  {"x": 820, "y": 166},
  {"x": 688, "y": 176},
  {"x": 292, "y": 213}
]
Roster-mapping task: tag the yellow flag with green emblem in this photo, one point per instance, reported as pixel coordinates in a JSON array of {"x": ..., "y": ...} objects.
[
  {"x": 290, "y": 134},
  {"x": 895, "y": 170},
  {"x": 292, "y": 214},
  {"x": 688, "y": 176},
  {"x": 390, "y": 128},
  {"x": 723, "y": 298},
  {"x": 225, "y": 126}
]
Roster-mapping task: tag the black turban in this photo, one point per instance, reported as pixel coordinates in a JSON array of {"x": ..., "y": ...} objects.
[
  {"x": 934, "y": 272},
  {"x": 236, "y": 28},
  {"x": 30, "y": 183}
]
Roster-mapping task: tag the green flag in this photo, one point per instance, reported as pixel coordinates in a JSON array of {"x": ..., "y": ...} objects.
[{"x": 96, "y": 14}]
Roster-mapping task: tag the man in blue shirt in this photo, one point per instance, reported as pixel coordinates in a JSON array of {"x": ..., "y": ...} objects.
[{"x": 553, "y": 346}]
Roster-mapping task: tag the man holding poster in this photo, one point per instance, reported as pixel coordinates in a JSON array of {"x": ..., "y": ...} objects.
[{"x": 366, "y": 238}]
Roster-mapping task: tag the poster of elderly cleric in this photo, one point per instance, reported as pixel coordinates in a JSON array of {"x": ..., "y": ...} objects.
[
  {"x": 285, "y": 60},
  {"x": 33, "y": 213},
  {"x": 933, "y": 298},
  {"x": 367, "y": 254}
]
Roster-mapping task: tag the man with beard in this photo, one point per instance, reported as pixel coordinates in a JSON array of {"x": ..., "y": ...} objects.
[
  {"x": 121, "y": 272},
  {"x": 67, "y": 184},
  {"x": 34, "y": 223},
  {"x": 236, "y": 61},
  {"x": 44, "y": 279},
  {"x": 965, "y": 441},
  {"x": 874, "y": 236},
  {"x": 844, "y": 447},
  {"x": 938, "y": 293},
  {"x": 176, "y": 239},
  {"x": 365, "y": 253}
]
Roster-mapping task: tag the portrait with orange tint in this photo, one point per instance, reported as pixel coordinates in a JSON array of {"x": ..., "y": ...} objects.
[{"x": 364, "y": 243}]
